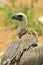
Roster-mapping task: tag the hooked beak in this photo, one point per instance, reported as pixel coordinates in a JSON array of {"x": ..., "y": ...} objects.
[{"x": 14, "y": 17}]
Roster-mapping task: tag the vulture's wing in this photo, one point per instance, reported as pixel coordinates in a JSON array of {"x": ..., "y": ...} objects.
[{"x": 16, "y": 49}]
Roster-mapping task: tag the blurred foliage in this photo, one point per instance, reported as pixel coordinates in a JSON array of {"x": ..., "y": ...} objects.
[
  {"x": 35, "y": 0},
  {"x": 11, "y": 10},
  {"x": 12, "y": 2},
  {"x": 32, "y": 3}
]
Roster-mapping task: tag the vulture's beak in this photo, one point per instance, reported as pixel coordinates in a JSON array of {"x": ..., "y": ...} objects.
[
  {"x": 14, "y": 17},
  {"x": 17, "y": 17}
]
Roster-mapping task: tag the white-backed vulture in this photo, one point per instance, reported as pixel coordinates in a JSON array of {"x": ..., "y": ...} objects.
[{"x": 28, "y": 40}]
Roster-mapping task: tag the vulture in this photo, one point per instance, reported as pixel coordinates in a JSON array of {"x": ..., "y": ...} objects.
[
  {"x": 16, "y": 50},
  {"x": 22, "y": 20}
]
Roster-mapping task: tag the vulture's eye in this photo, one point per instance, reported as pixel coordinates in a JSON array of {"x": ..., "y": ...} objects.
[{"x": 20, "y": 16}]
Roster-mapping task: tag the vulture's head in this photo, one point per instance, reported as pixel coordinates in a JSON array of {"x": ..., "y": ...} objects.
[
  {"x": 22, "y": 20},
  {"x": 20, "y": 17}
]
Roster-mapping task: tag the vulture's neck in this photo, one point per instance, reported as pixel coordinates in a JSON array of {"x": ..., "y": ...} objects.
[{"x": 22, "y": 28}]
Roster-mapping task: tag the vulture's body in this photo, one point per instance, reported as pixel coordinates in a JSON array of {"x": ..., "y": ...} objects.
[
  {"x": 17, "y": 49},
  {"x": 33, "y": 56}
]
